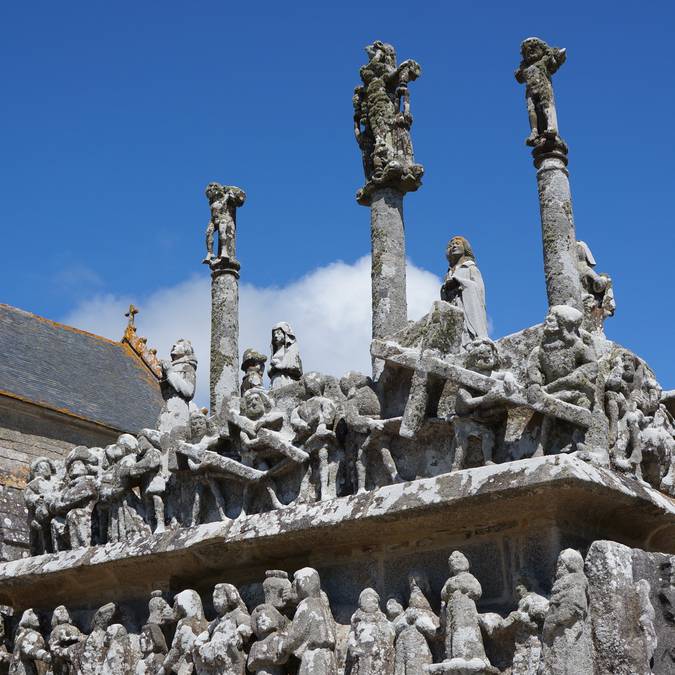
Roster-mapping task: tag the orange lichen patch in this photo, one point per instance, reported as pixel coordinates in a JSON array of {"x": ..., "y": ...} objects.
[
  {"x": 16, "y": 480},
  {"x": 62, "y": 411},
  {"x": 139, "y": 348}
]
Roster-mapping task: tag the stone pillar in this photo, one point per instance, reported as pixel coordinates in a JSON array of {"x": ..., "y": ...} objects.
[
  {"x": 563, "y": 286},
  {"x": 382, "y": 128},
  {"x": 224, "y": 377},
  {"x": 224, "y": 332},
  {"x": 387, "y": 272}
]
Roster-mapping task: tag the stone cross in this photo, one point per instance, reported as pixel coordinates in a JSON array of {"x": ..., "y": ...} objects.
[
  {"x": 224, "y": 377},
  {"x": 539, "y": 62},
  {"x": 382, "y": 122},
  {"x": 131, "y": 315}
]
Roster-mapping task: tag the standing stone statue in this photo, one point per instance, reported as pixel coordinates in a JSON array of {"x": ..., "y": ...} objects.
[
  {"x": 370, "y": 649},
  {"x": 382, "y": 121},
  {"x": 311, "y": 635},
  {"x": 121, "y": 654},
  {"x": 90, "y": 654},
  {"x": 253, "y": 365},
  {"x": 148, "y": 471},
  {"x": 223, "y": 201},
  {"x": 30, "y": 650},
  {"x": 179, "y": 380},
  {"x": 463, "y": 639},
  {"x": 63, "y": 641},
  {"x": 567, "y": 646},
  {"x": 415, "y": 628},
  {"x": 191, "y": 623},
  {"x": 153, "y": 650},
  {"x": 40, "y": 490},
  {"x": 539, "y": 62},
  {"x": 220, "y": 648},
  {"x": 463, "y": 287},
  {"x": 285, "y": 364}
]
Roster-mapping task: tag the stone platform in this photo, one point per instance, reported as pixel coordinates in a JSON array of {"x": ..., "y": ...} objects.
[{"x": 507, "y": 518}]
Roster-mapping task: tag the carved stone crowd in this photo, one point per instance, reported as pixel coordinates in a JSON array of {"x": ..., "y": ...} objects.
[{"x": 293, "y": 631}]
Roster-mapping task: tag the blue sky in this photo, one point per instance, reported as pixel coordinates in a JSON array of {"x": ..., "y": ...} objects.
[{"x": 117, "y": 115}]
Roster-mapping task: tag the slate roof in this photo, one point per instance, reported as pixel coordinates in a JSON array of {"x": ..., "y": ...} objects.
[{"x": 77, "y": 373}]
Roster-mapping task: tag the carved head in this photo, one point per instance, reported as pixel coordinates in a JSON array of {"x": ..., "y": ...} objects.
[
  {"x": 458, "y": 247},
  {"x": 60, "y": 616},
  {"x": 80, "y": 462},
  {"x": 188, "y": 605},
  {"x": 198, "y": 426},
  {"x": 352, "y": 382},
  {"x": 127, "y": 444},
  {"x": 369, "y": 601},
  {"x": 394, "y": 609},
  {"x": 253, "y": 359},
  {"x": 214, "y": 192},
  {"x": 276, "y": 582},
  {"x": 382, "y": 52},
  {"x": 533, "y": 49},
  {"x": 29, "y": 620},
  {"x": 42, "y": 467},
  {"x": 482, "y": 355},
  {"x": 255, "y": 403},
  {"x": 306, "y": 583},
  {"x": 104, "y": 615},
  {"x": 314, "y": 384},
  {"x": 152, "y": 640},
  {"x": 282, "y": 336},
  {"x": 182, "y": 349},
  {"x": 569, "y": 562},
  {"x": 225, "y": 598},
  {"x": 457, "y": 562},
  {"x": 159, "y": 610},
  {"x": 561, "y": 320}
]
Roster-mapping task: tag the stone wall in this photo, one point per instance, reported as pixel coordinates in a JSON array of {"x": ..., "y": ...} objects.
[{"x": 28, "y": 431}]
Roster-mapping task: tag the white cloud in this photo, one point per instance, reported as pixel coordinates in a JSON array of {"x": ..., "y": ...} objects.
[{"x": 329, "y": 309}]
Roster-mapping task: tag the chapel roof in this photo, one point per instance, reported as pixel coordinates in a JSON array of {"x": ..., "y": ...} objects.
[{"x": 76, "y": 373}]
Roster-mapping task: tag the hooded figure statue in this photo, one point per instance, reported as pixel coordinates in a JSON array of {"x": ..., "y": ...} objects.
[{"x": 285, "y": 364}]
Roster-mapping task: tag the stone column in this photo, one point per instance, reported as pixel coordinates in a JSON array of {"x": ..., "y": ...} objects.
[
  {"x": 563, "y": 286},
  {"x": 539, "y": 63},
  {"x": 224, "y": 377},
  {"x": 387, "y": 272},
  {"x": 382, "y": 123},
  {"x": 224, "y": 332}
]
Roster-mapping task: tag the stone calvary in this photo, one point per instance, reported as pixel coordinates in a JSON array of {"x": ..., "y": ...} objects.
[{"x": 471, "y": 506}]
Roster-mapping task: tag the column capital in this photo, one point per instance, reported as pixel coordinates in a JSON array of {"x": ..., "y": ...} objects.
[{"x": 223, "y": 265}]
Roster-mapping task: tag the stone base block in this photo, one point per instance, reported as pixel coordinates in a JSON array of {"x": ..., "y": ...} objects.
[{"x": 462, "y": 667}]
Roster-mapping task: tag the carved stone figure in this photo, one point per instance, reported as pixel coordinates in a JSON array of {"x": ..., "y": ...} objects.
[
  {"x": 39, "y": 492},
  {"x": 567, "y": 647},
  {"x": 463, "y": 287},
  {"x": 253, "y": 365},
  {"x": 30, "y": 649},
  {"x": 415, "y": 628},
  {"x": 120, "y": 655},
  {"x": 191, "y": 623},
  {"x": 463, "y": 640},
  {"x": 73, "y": 506},
  {"x": 267, "y": 622},
  {"x": 366, "y": 433},
  {"x": 220, "y": 648},
  {"x": 563, "y": 366},
  {"x": 314, "y": 422},
  {"x": 148, "y": 472},
  {"x": 476, "y": 412},
  {"x": 223, "y": 201},
  {"x": 160, "y": 612},
  {"x": 382, "y": 122},
  {"x": 285, "y": 364},
  {"x": 179, "y": 379},
  {"x": 63, "y": 641},
  {"x": 527, "y": 622},
  {"x": 153, "y": 650},
  {"x": 539, "y": 62},
  {"x": 370, "y": 649},
  {"x": 598, "y": 294},
  {"x": 311, "y": 634},
  {"x": 89, "y": 656},
  {"x": 5, "y": 654},
  {"x": 657, "y": 452}
]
